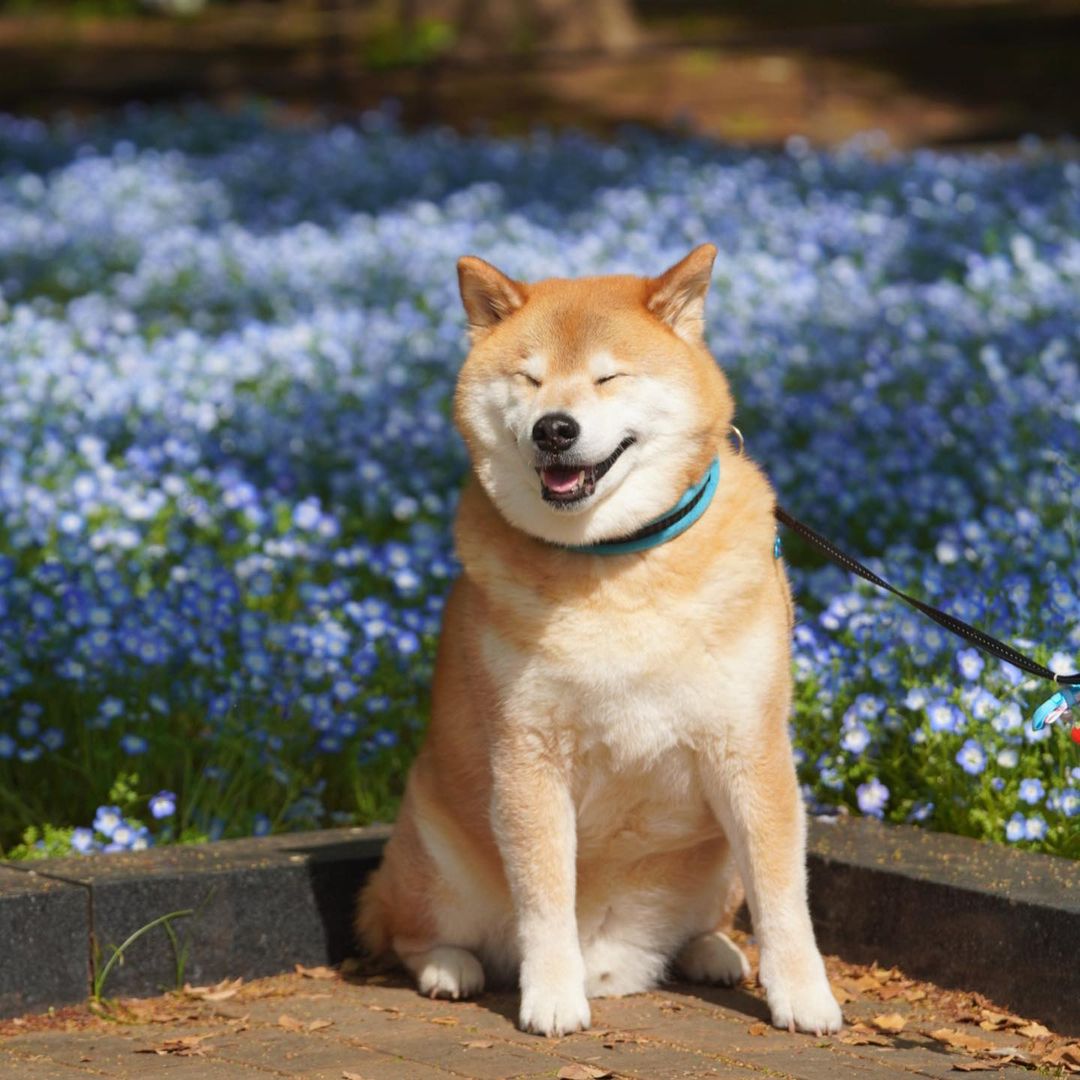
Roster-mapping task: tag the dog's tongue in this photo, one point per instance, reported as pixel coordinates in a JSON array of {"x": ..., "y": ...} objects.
[{"x": 559, "y": 478}]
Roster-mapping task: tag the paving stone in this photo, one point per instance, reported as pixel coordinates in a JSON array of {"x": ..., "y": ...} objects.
[
  {"x": 416, "y": 1037},
  {"x": 45, "y": 931},
  {"x": 803, "y": 1065},
  {"x": 380, "y": 1067},
  {"x": 293, "y": 1053},
  {"x": 494, "y": 1063},
  {"x": 26, "y": 1068},
  {"x": 261, "y": 907},
  {"x": 717, "y": 1035},
  {"x": 115, "y": 1055},
  {"x": 926, "y": 1057}
]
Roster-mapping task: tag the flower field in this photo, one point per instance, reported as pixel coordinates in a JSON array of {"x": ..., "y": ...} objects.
[{"x": 227, "y": 469}]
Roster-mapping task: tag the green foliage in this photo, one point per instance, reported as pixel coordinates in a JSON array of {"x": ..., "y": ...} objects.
[
  {"x": 396, "y": 44},
  {"x": 46, "y": 842}
]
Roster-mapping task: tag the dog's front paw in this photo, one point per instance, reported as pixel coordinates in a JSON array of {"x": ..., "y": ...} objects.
[
  {"x": 804, "y": 1006},
  {"x": 554, "y": 1010},
  {"x": 553, "y": 998}
]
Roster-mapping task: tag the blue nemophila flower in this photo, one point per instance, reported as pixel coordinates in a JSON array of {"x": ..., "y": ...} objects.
[
  {"x": 83, "y": 841},
  {"x": 971, "y": 757},
  {"x": 1035, "y": 827},
  {"x": 107, "y": 820},
  {"x": 1031, "y": 790},
  {"x": 1016, "y": 828},
  {"x": 873, "y": 797},
  {"x": 134, "y": 745},
  {"x": 162, "y": 805},
  {"x": 944, "y": 716},
  {"x": 123, "y": 835},
  {"x": 970, "y": 663},
  {"x": 855, "y": 739}
]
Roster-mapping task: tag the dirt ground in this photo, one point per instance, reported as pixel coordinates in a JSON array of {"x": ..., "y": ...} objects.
[{"x": 368, "y": 1023}]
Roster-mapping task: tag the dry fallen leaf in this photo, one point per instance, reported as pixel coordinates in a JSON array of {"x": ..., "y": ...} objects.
[
  {"x": 290, "y": 1023},
  {"x": 890, "y": 1022},
  {"x": 582, "y": 1072},
  {"x": 184, "y": 1046},
  {"x": 610, "y": 1039},
  {"x": 1034, "y": 1031},
  {"x": 320, "y": 972},
  {"x": 842, "y": 996},
  {"x": 994, "y": 1021},
  {"x": 446, "y": 1021},
  {"x": 976, "y": 1066},
  {"x": 861, "y": 985},
  {"x": 318, "y": 1025},
  {"x": 221, "y": 991},
  {"x": 478, "y": 1044},
  {"x": 864, "y": 1038},
  {"x": 346, "y": 1075},
  {"x": 154, "y": 1011},
  {"x": 911, "y": 996},
  {"x": 759, "y": 1028},
  {"x": 961, "y": 1040},
  {"x": 1009, "y": 1055},
  {"x": 885, "y": 974},
  {"x": 1067, "y": 1056}
]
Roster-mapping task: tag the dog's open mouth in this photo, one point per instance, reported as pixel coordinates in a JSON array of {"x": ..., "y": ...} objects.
[{"x": 564, "y": 484}]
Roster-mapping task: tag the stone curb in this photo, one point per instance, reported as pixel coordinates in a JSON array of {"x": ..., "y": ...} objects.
[
  {"x": 261, "y": 906},
  {"x": 960, "y": 912}
]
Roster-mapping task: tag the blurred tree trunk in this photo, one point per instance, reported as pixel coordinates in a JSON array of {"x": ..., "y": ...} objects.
[
  {"x": 497, "y": 27},
  {"x": 607, "y": 25}
]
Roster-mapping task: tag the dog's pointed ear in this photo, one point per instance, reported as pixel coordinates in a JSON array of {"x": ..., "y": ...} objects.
[
  {"x": 677, "y": 296},
  {"x": 488, "y": 294}
]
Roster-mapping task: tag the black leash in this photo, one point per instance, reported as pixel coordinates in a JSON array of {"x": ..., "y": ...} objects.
[{"x": 942, "y": 618}]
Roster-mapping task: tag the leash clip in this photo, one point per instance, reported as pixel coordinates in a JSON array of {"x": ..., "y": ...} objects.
[{"x": 1055, "y": 708}]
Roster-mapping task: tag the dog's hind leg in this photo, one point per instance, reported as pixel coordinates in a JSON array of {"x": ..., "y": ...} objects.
[
  {"x": 712, "y": 957},
  {"x": 435, "y": 905}
]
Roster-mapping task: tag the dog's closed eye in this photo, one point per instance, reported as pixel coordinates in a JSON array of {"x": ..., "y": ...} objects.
[
  {"x": 525, "y": 375},
  {"x": 607, "y": 378}
]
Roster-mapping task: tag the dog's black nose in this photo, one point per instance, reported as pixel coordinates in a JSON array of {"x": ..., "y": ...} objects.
[{"x": 555, "y": 432}]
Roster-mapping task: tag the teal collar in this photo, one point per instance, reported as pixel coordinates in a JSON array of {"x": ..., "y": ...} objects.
[{"x": 660, "y": 530}]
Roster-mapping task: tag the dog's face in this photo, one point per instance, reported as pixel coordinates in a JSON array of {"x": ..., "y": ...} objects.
[{"x": 589, "y": 406}]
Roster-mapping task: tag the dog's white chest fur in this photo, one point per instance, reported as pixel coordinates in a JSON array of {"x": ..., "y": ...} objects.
[
  {"x": 643, "y": 687},
  {"x": 627, "y": 810}
]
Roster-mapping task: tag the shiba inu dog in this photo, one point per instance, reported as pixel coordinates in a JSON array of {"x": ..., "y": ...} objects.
[{"x": 608, "y": 765}]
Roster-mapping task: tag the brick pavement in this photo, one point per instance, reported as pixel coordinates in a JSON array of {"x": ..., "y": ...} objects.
[{"x": 374, "y": 1026}]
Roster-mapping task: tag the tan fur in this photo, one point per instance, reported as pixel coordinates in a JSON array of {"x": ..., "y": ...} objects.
[{"x": 608, "y": 758}]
